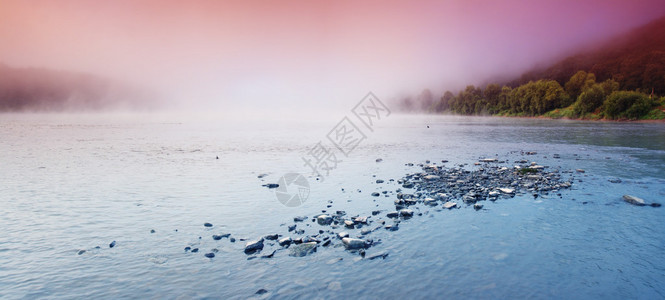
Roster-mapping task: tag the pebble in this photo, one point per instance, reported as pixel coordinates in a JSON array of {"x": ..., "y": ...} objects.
[
  {"x": 207, "y": 224},
  {"x": 112, "y": 244},
  {"x": 271, "y": 185},
  {"x": 209, "y": 255}
]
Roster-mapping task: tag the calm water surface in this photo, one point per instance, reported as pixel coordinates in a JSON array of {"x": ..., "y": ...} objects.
[{"x": 70, "y": 184}]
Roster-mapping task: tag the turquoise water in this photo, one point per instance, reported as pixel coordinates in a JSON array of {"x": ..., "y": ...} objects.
[{"x": 74, "y": 183}]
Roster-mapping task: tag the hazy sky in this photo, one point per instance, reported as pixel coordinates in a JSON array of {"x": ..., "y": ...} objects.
[{"x": 304, "y": 54}]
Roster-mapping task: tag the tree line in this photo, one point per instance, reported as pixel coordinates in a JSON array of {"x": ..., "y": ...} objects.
[{"x": 580, "y": 97}]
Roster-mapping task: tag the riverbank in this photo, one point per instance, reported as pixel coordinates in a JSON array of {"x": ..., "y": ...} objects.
[{"x": 656, "y": 115}]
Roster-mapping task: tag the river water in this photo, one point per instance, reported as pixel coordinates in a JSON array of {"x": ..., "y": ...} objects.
[{"x": 72, "y": 183}]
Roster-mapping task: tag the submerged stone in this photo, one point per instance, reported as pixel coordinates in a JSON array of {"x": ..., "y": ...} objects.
[{"x": 303, "y": 249}]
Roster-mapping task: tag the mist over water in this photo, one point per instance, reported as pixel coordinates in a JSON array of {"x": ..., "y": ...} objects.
[{"x": 256, "y": 55}]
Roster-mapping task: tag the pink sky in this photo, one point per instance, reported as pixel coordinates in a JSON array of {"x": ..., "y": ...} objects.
[{"x": 307, "y": 53}]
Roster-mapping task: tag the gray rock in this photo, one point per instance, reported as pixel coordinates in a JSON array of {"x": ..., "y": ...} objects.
[
  {"x": 342, "y": 235},
  {"x": 349, "y": 223},
  {"x": 261, "y": 292},
  {"x": 449, "y": 205},
  {"x": 309, "y": 239},
  {"x": 324, "y": 219},
  {"x": 392, "y": 227},
  {"x": 376, "y": 194},
  {"x": 302, "y": 249},
  {"x": 285, "y": 241},
  {"x": 477, "y": 206},
  {"x": 360, "y": 220},
  {"x": 271, "y": 185},
  {"x": 392, "y": 214},
  {"x": 406, "y": 212},
  {"x": 381, "y": 254},
  {"x": 634, "y": 200},
  {"x": 253, "y": 246},
  {"x": 299, "y": 218},
  {"x": 271, "y": 237},
  {"x": 351, "y": 243},
  {"x": 507, "y": 190},
  {"x": 431, "y": 177},
  {"x": 207, "y": 224},
  {"x": 209, "y": 255},
  {"x": 429, "y": 201},
  {"x": 112, "y": 244},
  {"x": 218, "y": 237}
]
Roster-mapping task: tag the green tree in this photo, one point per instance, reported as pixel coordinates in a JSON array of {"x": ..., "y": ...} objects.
[
  {"x": 535, "y": 98},
  {"x": 504, "y": 98},
  {"x": 589, "y": 100},
  {"x": 444, "y": 102},
  {"x": 627, "y": 104},
  {"x": 578, "y": 83},
  {"x": 492, "y": 95}
]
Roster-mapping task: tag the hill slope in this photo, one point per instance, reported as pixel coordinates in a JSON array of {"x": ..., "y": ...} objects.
[
  {"x": 30, "y": 89},
  {"x": 636, "y": 60}
]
